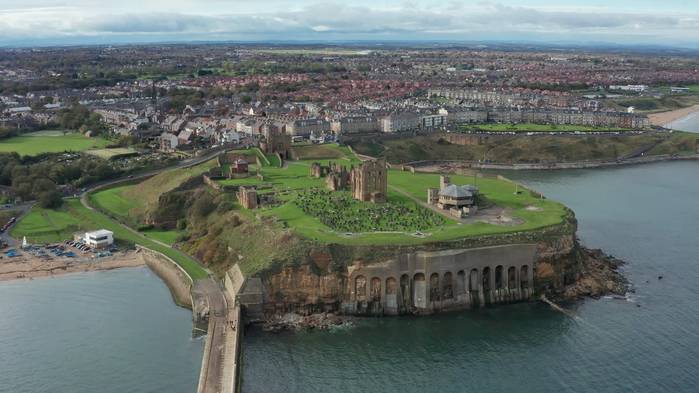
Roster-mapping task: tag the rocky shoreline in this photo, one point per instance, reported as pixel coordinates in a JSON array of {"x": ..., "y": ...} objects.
[
  {"x": 320, "y": 321},
  {"x": 600, "y": 276}
]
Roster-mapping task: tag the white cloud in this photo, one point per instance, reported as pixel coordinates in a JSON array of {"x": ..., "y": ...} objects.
[{"x": 223, "y": 18}]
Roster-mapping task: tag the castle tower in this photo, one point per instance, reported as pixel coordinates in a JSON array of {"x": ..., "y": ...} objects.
[
  {"x": 370, "y": 181},
  {"x": 444, "y": 181}
]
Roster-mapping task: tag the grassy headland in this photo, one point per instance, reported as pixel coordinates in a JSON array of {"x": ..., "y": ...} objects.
[{"x": 514, "y": 149}]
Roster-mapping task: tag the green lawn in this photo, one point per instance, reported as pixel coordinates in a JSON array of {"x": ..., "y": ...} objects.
[
  {"x": 116, "y": 201},
  {"x": 50, "y": 142},
  {"x": 45, "y": 226},
  {"x": 538, "y": 128},
  {"x": 108, "y": 154},
  {"x": 321, "y": 152},
  {"x": 273, "y": 160},
  {"x": 294, "y": 180},
  {"x": 499, "y": 192},
  {"x": 167, "y": 237}
]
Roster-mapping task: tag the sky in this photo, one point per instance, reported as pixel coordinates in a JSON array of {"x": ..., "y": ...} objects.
[{"x": 655, "y": 22}]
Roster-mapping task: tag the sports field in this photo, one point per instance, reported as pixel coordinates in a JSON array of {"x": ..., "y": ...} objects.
[{"x": 36, "y": 143}]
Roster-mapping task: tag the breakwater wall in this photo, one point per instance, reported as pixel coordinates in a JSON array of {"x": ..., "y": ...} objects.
[{"x": 176, "y": 279}]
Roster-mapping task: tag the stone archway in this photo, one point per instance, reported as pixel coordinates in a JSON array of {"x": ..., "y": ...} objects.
[
  {"x": 419, "y": 291},
  {"x": 448, "y": 286},
  {"x": 499, "y": 284},
  {"x": 461, "y": 286},
  {"x": 473, "y": 282},
  {"x": 360, "y": 288},
  {"x": 512, "y": 277},
  {"x": 435, "y": 290},
  {"x": 375, "y": 288},
  {"x": 524, "y": 277}
]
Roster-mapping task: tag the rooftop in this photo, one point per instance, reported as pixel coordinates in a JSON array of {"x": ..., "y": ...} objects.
[{"x": 454, "y": 191}]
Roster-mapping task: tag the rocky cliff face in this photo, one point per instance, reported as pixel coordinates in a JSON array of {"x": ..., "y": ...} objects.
[{"x": 435, "y": 278}]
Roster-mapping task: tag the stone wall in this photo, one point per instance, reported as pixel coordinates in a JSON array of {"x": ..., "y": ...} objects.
[
  {"x": 424, "y": 281},
  {"x": 369, "y": 181},
  {"x": 177, "y": 281}
]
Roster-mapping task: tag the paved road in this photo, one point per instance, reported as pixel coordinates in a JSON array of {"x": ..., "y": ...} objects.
[
  {"x": 214, "y": 361},
  {"x": 22, "y": 210}
]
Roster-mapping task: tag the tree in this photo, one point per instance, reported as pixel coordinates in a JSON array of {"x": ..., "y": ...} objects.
[{"x": 50, "y": 199}]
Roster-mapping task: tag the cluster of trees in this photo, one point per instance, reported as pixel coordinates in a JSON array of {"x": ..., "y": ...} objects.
[
  {"x": 78, "y": 117},
  {"x": 39, "y": 178},
  {"x": 180, "y": 98}
]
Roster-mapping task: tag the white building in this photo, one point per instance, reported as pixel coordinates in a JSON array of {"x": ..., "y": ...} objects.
[
  {"x": 397, "y": 122},
  {"x": 99, "y": 239}
]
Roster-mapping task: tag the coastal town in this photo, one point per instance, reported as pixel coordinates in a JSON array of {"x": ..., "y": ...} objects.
[
  {"x": 301, "y": 186},
  {"x": 191, "y": 98}
]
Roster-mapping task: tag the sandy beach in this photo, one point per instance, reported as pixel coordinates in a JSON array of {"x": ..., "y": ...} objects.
[
  {"x": 28, "y": 266},
  {"x": 662, "y": 119}
]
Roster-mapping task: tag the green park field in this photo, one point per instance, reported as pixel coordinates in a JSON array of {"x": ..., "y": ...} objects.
[{"x": 33, "y": 144}]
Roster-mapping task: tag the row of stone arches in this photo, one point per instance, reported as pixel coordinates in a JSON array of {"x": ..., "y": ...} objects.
[{"x": 446, "y": 287}]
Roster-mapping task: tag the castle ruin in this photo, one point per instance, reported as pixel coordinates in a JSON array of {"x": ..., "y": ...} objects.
[{"x": 370, "y": 181}]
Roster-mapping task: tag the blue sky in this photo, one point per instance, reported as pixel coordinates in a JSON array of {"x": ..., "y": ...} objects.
[{"x": 667, "y": 22}]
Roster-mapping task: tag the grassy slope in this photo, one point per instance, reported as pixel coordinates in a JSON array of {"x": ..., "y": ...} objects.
[
  {"x": 117, "y": 203},
  {"x": 167, "y": 237},
  {"x": 519, "y": 149},
  {"x": 537, "y": 128},
  {"x": 45, "y": 226},
  {"x": 43, "y": 142},
  {"x": 144, "y": 196}
]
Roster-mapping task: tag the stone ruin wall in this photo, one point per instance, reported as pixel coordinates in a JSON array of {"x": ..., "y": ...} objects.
[
  {"x": 370, "y": 181},
  {"x": 424, "y": 282}
]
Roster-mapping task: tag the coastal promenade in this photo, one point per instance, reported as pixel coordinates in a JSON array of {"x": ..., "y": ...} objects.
[{"x": 219, "y": 363}]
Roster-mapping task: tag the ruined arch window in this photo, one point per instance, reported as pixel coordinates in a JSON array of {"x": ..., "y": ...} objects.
[
  {"x": 473, "y": 280},
  {"x": 461, "y": 282},
  {"x": 524, "y": 277},
  {"x": 512, "y": 277},
  {"x": 486, "y": 279},
  {"x": 375, "y": 289},
  {"x": 434, "y": 287},
  {"x": 360, "y": 288},
  {"x": 498, "y": 277},
  {"x": 447, "y": 286},
  {"x": 391, "y": 286}
]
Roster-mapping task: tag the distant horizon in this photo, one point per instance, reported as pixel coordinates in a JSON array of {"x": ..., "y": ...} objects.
[
  {"x": 672, "y": 23},
  {"x": 360, "y": 43}
]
